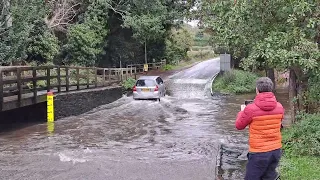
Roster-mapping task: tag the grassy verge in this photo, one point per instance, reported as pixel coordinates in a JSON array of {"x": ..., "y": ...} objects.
[
  {"x": 297, "y": 168},
  {"x": 235, "y": 82},
  {"x": 301, "y": 145}
]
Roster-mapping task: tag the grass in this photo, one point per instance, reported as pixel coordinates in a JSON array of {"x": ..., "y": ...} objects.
[
  {"x": 301, "y": 145},
  {"x": 235, "y": 82},
  {"x": 298, "y": 168}
]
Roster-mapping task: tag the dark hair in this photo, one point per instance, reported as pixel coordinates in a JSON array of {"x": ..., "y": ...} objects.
[{"x": 264, "y": 84}]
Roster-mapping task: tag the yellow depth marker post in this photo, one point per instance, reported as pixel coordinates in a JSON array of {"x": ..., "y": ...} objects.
[
  {"x": 145, "y": 67},
  {"x": 50, "y": 113},
  {"x": 50, "y": 107}
]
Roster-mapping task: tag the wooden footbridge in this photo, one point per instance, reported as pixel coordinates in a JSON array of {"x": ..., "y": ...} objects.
[{"x": 23, "y": 85}]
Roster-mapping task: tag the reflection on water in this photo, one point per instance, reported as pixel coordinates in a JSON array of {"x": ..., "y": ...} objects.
[{"x": 50, "y": 128}]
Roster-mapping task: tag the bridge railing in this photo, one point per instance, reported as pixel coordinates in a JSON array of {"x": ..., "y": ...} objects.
[{"x": 17, "y": 83}]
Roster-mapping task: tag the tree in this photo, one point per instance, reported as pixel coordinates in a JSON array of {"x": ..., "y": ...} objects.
[
  {"x": 177, "y": 45},
  {"x": 86, "y": 40},
  {"x": 146, "y": 21},
  {"x": 15, "y": 39},
  {"x": 269, "y": 34}
]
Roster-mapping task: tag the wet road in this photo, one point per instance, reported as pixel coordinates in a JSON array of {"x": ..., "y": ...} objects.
[{"x": 183, "y": 137}]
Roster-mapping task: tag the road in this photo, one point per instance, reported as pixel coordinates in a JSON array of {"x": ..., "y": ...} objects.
[{"x": 183, "y": 137}]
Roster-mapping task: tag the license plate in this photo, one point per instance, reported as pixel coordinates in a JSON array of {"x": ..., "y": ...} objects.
[{"x": 146, "y": 90}]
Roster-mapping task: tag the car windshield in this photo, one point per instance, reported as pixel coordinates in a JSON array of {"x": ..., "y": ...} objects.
[{"x": 145, "y": 83}]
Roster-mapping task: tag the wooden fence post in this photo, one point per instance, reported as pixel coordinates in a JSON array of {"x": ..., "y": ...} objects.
[
  {"x": 78, "y": 78},
  {"x": 96, "y": 77},
  {"x": 59, "y": 79},
  {"x": 88, "y": 78},
  {"x": 19, "y": 86},
  {"x": 48, "y": 79},
  {"x": 34, "y": 84},
  {"x": 67, "y": 79},
  {"x": 104, "y": 77},
  {"x": 1, "y": 90}
]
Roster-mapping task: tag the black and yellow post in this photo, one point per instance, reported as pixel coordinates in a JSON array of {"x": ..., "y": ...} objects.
[{"x": 50, "y": 113}]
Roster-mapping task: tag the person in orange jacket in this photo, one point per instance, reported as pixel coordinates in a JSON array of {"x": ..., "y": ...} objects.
[{"x": 264, "y": 118}]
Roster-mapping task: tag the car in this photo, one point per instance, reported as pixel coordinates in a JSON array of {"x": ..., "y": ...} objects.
[{"x": 149, "y": 87}]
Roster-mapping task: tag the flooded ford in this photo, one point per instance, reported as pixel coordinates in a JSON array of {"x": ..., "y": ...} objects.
[{"x": 188, "y": 135}]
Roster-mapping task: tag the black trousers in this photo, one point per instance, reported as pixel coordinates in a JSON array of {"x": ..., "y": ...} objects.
[{"x": 262, "y": 166}]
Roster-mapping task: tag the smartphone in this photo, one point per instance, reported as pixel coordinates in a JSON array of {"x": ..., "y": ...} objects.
[{"x": 246, "y": 102}]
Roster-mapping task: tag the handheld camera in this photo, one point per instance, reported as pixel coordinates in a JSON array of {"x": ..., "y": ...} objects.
[{"x": 246, "y": 102}]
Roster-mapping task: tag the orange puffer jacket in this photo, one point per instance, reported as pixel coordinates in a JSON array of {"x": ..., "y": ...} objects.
[{"x": 264, "y": 118}]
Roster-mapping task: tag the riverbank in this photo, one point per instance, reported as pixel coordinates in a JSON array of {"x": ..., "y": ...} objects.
[
  {"x": 301, "y": 148},
  {"x": 301, "y": 145},
  {"x": 235, "y": 82}
]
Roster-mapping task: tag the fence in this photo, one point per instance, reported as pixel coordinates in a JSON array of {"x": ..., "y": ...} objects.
[
  {"x": 151, "y": 66},
  {"x": 17, "y": 83}
]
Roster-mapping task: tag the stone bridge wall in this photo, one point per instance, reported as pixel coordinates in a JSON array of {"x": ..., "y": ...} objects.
[{"x": 66, "y": 104}]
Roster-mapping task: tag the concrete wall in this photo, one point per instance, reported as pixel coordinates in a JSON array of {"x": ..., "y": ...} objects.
[{"x": 66, "y": 104}]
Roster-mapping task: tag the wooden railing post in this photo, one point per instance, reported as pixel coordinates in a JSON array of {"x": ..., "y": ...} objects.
[
  {"x": 96, "y": 77},
  {"x": 34, "y": 84},
  {"x": 88, "y": 78},
  {"x": 1, "y": 90},
  {"x": 67, "y": 79},
  {"x": 78, "y": 78},
  {"x": 109, "y": 73},
  {"x": 59, "y": 78},
  {"x": 19, "y": 86},
  {"x": 104, "y": 77},
  {"x": 48, "y": 79},
  {"x": 121, "y": 74}
]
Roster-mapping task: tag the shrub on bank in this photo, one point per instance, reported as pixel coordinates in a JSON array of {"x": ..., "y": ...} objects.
[
  {"x": 235, "y": 82},
  {"x": 303, "y": 138},
  {"x": 301, "y": 145},
  {"x": 168, "y": 67},
  {"x": 128, "y": 84}
]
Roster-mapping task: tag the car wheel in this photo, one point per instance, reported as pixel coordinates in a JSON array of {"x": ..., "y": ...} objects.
[{"x": 158, "y": 99}]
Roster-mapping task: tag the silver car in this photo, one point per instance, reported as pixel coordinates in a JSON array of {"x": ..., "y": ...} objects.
[{"x": 149, "y": 87}]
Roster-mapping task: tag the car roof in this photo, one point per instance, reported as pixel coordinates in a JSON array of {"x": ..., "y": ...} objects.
[{"x": 148, "y": 77}]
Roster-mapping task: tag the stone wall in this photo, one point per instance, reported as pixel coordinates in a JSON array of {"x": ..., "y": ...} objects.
[
  {"x": 76, "y": 103},
  {"x": 66, "y": 104}
]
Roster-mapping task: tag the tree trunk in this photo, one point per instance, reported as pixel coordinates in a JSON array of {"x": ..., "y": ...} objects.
[
  {"x": 302, "y": 89},
  {"x": 270, "y": 74},
  {"x": 293, "y": 94}
]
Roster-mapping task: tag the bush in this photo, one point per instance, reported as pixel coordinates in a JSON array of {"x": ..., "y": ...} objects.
[
  {"x": 235, "y": 82},
  {"x": 168, "y": 67},
  {"x": 129, "y": 83},
  {"x": 304, "y": 137}
]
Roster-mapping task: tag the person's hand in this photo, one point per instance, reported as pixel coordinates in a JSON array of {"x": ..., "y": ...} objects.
[{"x": 242, "y": 107}]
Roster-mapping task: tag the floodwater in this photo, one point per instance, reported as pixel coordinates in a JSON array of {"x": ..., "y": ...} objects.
[{"x": 189, "y": 135}]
